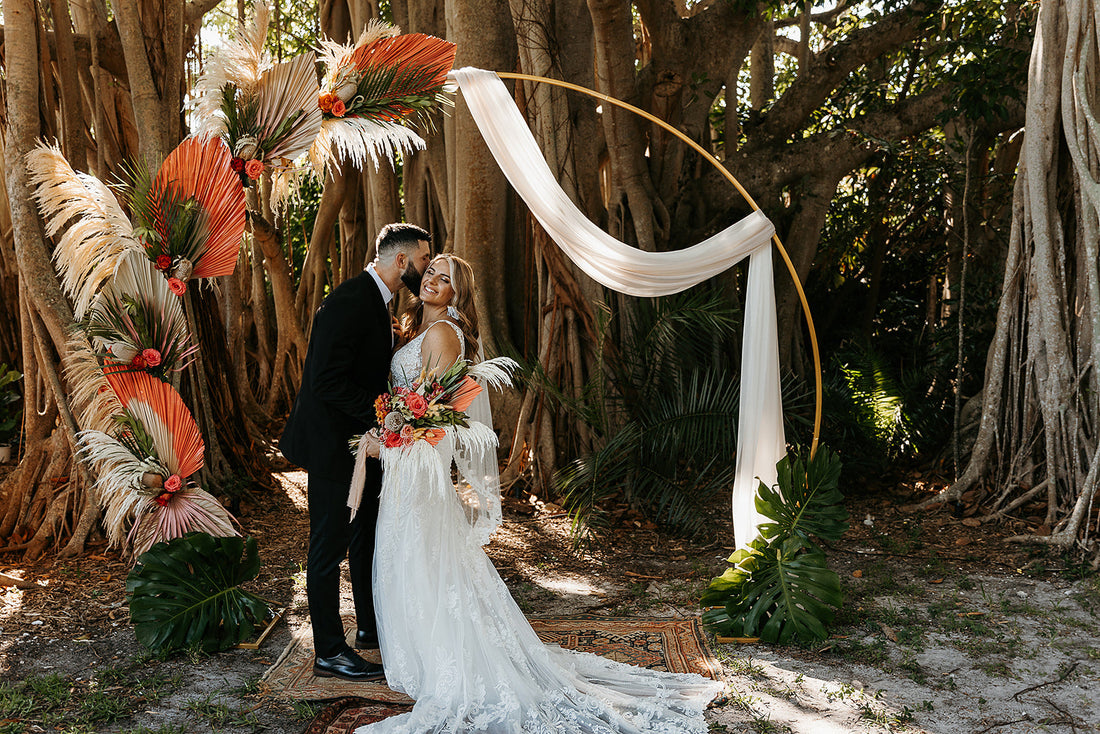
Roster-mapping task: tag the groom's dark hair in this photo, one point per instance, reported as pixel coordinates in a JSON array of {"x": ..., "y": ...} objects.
[{"x": 400, "y": 236}]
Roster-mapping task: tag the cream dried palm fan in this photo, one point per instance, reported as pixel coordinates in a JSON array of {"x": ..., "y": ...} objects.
[
  {"x": 137, "y": 322},
  {"x": 266, "y": 112},
  {"x": 145, "y": 466},
  {"x": 374, "y": 89}
]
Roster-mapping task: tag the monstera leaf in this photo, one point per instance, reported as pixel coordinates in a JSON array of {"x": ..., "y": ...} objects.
[
  {"x": 780, "y": 586},
  {"x": 186, "y": 593},
  {"x": 805, "y": 503}
]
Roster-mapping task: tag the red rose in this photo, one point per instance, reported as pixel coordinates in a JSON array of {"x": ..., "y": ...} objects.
[
  {"x": 164, "y": 262},
  {"x": 237, "y": 164},
  {"x": 162, "y": 499},
  {"x": 392, "y": 440},
  {"x": 138, "y": 362},
  {"x": 338, "y": 108},
  {"x": 254, "y": 169},
  {"x": 151, "y": 357},
  {"x": 416, "y": 403},
  {"x": 173, "y": 483},
  {"x": 177, "y": 286}
]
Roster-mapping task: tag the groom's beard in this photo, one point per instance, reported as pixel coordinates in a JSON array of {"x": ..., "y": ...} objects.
[{"x": 411, "y": 278}]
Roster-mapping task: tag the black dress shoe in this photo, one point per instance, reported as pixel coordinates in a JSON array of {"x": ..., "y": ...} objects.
[
  {"x": 347, "y": 665},
  {"x": 366, "y": 640}
]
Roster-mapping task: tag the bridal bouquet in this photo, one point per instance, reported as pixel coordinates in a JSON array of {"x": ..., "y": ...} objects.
[{"x": 422, "y": 412}]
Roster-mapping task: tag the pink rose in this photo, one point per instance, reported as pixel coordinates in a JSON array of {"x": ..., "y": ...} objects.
[
  {"x": 407, "y": 436},
  {"x": 177, "y": 286},
  {"x": 254, "y": 169},
  {"x": 338, "y": 108},
  {"x": 151, "y": 357},
  {"x": 173, "y": 483},
  {"x": 417, "y": 404}
]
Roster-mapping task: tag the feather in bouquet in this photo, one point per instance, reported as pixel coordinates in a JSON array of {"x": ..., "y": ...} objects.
[
  {"x": 373, "y": 89},
  {"x": 145, "y": 464},
  {"x": 136, "y": 323},
  {"x": 265, "y": 111},
  {"x": 190, "y": 217}
]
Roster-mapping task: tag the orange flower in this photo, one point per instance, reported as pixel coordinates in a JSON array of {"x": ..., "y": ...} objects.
[
  {"x": 381, "y": 407},
  {"x": 325, "y": 101},
  {"x": 392, "y": 440},
  {"x": 417, "y": 404},
  {"x": 338, "y": 108},
  {"x": 254, "y": 168},
  {"x": 177, "y": 286}
]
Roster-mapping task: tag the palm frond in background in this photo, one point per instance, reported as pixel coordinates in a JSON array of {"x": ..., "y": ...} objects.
[{"x": 665, "y": 407}]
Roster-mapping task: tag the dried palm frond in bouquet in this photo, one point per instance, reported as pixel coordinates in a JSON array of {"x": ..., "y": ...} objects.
[
  {"x": 190, "y": 217},
  {"x": 374, "y": 89},
  {"x": 145, "y": 466},
  {"x": 265, "y": 111}
]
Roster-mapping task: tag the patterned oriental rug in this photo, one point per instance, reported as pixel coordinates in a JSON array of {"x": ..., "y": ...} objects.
[{"x": 675, "y": 645}]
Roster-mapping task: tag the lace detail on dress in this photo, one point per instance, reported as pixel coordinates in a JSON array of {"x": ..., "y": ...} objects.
[{"x": 406, "y": 363}]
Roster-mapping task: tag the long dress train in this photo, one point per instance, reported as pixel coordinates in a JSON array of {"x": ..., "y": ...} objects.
[{"x": 453, "y": 639}]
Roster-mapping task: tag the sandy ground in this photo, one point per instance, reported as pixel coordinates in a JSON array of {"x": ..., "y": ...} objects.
[{"x": 930, "y": 640}]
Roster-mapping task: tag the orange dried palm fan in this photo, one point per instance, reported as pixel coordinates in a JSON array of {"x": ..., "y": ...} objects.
[
  {"x": 174, "y": 433},
  {"x": 145, "y": 466},
  {"x": 374, "y": 89},
  {"x": 200, "y": 170}
]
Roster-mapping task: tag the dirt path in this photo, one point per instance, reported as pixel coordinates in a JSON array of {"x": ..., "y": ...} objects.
[{"x": 940, "y": 633}]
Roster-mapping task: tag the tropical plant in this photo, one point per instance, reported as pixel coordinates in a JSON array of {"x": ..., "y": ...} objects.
[
  {"x": 666, "y": 419},
  {"x": 9, "y": 400},
  {"x": 186, "y": 593},
  {"x": 780, "y": 587}
]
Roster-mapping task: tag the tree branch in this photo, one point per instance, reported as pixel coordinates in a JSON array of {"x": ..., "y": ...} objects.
[
  {"x": 195, "y": 9},
  {"x": 832, "y": 66}
]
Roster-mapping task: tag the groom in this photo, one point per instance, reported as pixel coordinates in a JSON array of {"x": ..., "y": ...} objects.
[{"x": 347, "y": 366}]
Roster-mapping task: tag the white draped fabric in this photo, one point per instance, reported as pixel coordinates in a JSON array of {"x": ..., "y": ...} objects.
[{"x": 629, "y": 270}]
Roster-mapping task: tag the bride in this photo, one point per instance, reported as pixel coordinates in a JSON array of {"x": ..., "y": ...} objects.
[{"x": 450, "y": 635}]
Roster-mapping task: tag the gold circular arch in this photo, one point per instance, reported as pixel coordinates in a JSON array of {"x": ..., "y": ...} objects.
[{"x": 741, "y": 189}]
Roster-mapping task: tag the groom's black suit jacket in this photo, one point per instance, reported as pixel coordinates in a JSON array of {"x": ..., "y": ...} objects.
[{"x": 347, "y": 366}]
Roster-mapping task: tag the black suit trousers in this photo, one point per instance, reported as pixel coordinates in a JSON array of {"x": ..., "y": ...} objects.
[{"x": 331, "y": 538}]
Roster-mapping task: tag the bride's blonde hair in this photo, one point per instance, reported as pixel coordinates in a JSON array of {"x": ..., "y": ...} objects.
[{"x": 462, "y": 281}]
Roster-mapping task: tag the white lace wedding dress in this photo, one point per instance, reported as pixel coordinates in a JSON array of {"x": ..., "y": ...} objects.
[{"x": 453, "y": 639}]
